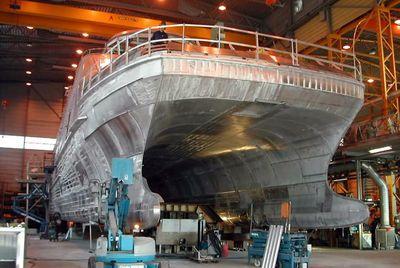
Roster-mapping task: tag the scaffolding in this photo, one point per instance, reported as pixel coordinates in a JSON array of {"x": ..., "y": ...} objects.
[
  {"x": 33, "y": 203},
  {"x": 377, "y": 27}
]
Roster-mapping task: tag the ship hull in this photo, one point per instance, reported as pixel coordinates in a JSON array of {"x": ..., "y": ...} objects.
[{"x": 222, "y": 132}]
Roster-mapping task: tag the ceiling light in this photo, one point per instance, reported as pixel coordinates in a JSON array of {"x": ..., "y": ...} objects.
[
  {"x": 70, "y": 77},
  {"x": 372, "y": 52},
  {"x": 370, "y": 80},
  {"x": 381, "y": 149},
  {"x": 29, "y": 45},
  {"x": 28, "y": 60},
  {"x": 397, "y": 22},
  {"x": 222, "y": 7},
  {"x": 74, "y": 65},
  {"x": 85, "y": 34},
  {"x": 28, "y": 72},
  {"x": 66, "y": 88},
  {"x": 79, "y": 51},
  {"x": 346, "y": 47},
  {"x": 28, "y": 84},
  {"x": 29, "y": 27}
]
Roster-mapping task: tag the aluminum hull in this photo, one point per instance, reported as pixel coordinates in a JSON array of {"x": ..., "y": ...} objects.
[{"x": 222, "y": 131}]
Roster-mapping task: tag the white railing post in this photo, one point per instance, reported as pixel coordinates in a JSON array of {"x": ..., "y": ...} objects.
[
  {"x": 118, "y": 47},
  {"x": 183, "y": 38},
  {"x": 126, "y": 49},
  {"x": 257, "y": 46},
  {"x": 90, "y": 76},
  {"x": 294, "y": 55},
  {"x": 219, "y": 39},
  {"x": 111, "y": 51},
  {"x": 83, "y": 83},
  {"x": 355, "y": 66},
  {"x": 149, "y": 40}
]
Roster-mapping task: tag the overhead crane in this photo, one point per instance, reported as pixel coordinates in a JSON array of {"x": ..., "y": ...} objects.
[{"x": 78, "y": 20}]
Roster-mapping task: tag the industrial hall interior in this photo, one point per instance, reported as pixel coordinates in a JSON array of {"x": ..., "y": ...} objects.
[{"x": 199, "y": 133}]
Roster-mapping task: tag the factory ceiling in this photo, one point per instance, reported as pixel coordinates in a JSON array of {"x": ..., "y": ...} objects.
[
  {"x": 42, "y": 32},
  {"x": 41, "y": 41}
]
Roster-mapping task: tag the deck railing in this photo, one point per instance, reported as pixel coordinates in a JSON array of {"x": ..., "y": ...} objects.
[{"x": 119, "y": 50}]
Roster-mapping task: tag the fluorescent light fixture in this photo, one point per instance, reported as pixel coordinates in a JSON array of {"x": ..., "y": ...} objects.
[
  {"x": 381, "y": 149},
  {"x": 338, "y": 180},
  {"x": 31, "y": 143},
  {"x": 222, "y": 7},
  {"x": 346, "y": 47},
  {"x": 37, "y": 143},
  {"x": 11, "y": 141}
]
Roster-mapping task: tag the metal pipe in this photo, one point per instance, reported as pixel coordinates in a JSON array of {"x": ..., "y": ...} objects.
[
  {"x": 359, "y": 197},
  {"x": 383, "y": 193}
]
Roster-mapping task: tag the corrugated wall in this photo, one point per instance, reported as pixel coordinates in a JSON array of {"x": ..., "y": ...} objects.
[
  {"x": 27, "y": 115},
  {"x": 10, "y": 167},
  {"x": 13, "y": 166},
  {"x": 343, "y": 12}
]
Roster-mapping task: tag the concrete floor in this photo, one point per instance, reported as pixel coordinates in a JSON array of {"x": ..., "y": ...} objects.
[{"x": 74, "y": 254}]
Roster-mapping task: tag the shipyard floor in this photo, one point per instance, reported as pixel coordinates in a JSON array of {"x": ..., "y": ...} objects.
[{"x": 74, "y": 254}]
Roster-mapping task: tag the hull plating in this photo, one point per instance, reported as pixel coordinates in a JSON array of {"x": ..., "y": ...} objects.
[{"x": 219, "y": 131}]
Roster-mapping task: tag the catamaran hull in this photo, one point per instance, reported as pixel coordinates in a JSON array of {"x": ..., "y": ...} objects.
[{"x": 227, "y": 133}]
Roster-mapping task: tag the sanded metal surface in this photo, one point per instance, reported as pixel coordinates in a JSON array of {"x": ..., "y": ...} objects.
[{"x": 223, "y": 131}]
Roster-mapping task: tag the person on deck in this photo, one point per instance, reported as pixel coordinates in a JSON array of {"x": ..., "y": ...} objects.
[{"x": 160, "y": 34}]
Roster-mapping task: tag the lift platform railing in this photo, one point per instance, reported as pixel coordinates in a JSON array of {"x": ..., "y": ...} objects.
[
  {"x": 39, "y": 194},
  {"x": 119, "y": 49}
]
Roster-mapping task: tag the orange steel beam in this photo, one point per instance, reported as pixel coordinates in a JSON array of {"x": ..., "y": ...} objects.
[
  {"x": 370, "y": 25},
  {"x": 79, "y": 20},
  {"x": 69, "y": 19},
  {"x": 387, "y": 61},
  {"x": 335, "y": 41},
  {"x": 393, "y": 4}
]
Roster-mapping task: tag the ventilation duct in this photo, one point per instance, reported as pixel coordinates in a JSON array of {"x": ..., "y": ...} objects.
[
  {"x": 297, "y": 6},
  {"x": 383, "y": 193}
]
